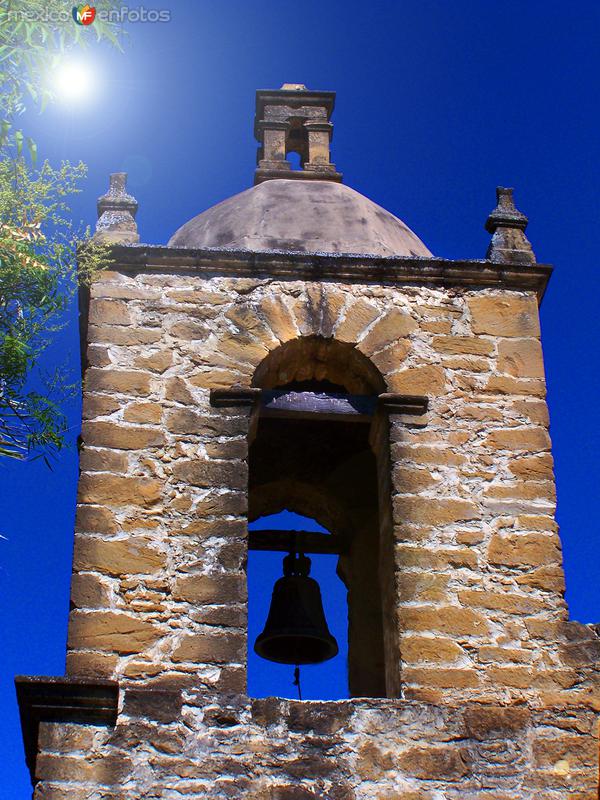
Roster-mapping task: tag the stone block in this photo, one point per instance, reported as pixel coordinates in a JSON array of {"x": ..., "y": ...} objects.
[
  {"x": 121, "y": 437},
  {"x": 429, "y": 649},
  {"x": 431, "y": 511},
  {"x": 278, "y": 317},
  {"x": 504, "y": 315},
  {"x": 451, "y": 620},
  {"x": 484, "y": 722},
  {"x": 108, "y": 312},
  {"x": 93, "y": 459},
  {"x": 131, "y": 556},
  {"x": 463, "y": 345},
  {"x": 435, "y": 763},
  {"x": 396, "y": 324},
  {"x": 144, "y": 413},
  {"x": 210, "y": 589},
  {"x": 127, "y": 382},
  {"x": 89, "y": 591},
  {"x": 357, "y": 318},
  {"x": 118, "y": 490},
  {"x": 95, "y": 519},
  {"x": 429, "y": 380},
  {"x": 532, "y": 439},
  {"x": 211, "y": 648},
  {"x": 207, "y": 474},
  {"x": 528, "y": 549},
  {"x": 110, "y": 631},
  {"x": 521, "y": 358}
]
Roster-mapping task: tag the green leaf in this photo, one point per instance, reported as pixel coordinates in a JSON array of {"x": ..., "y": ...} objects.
[
  {"x": 32, "y": 147},
  {"x": 19, "y": 141}
]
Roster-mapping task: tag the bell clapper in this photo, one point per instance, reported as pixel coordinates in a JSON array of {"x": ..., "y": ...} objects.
[{"x": 297, "y": 681}]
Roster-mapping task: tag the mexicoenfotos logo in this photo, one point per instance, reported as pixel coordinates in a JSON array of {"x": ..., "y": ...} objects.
[{"x": 84, "y": 14}]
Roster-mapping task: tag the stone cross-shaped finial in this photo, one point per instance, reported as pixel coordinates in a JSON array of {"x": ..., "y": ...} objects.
[
  {"x": 507, "y": 226},
  {"x": 116, "y": 213}
]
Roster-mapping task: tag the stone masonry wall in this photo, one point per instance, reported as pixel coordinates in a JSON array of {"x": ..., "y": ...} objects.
[
  {"x": 159, "y": 586},
  {"x": 159, "y": 592},
  {"x": 170, "y": 746}
]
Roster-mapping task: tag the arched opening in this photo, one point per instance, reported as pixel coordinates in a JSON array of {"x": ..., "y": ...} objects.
[
  {"x": 312, "y": 454},
  {"x": 296, "y": 144}
]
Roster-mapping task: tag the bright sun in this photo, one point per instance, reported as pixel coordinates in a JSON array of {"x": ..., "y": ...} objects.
[{"x": 73, "y": 81}]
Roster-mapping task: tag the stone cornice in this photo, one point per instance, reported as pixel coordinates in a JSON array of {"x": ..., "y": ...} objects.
[
  {"x": 51, "y": 699},
  {"x": 347, "y": 268}
]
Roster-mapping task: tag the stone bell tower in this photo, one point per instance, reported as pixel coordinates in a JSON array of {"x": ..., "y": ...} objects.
[{"x": 299, "y": 347}]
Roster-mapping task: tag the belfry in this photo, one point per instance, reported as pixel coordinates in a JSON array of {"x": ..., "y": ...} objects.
[{"x": 298, "y": 347}]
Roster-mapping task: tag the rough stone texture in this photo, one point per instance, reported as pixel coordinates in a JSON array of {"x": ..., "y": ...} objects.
[
  {"x": 181, "y": 743},
  {"x": 499, "y": 691}
]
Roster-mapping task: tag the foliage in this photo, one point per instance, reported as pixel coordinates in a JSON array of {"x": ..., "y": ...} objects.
[{"x": 38, "y": 243}]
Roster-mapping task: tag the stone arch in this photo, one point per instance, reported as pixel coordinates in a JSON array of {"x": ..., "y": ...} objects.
[
  {"x": 316, "y": 358},
  {"x": 330, "y": 471}
]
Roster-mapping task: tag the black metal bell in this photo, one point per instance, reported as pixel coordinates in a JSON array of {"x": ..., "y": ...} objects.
[{"x": 296, "y": 630}]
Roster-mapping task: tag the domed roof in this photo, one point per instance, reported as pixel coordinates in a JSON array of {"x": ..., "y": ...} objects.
[{"x": 303, "y": 215}]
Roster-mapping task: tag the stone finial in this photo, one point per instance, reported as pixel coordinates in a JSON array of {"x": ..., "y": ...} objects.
[
  {"x": 116, "y": 213},
  {"x": 294, "y": 120},
  {"x": 507, "y": 226}
]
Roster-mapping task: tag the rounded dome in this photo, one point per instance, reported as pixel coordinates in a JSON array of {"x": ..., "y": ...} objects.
[{"x": 302, "y": 215}]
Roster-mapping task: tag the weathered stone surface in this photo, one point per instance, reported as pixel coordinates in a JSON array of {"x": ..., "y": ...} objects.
[
  {"x": 95, "y": 519},
  {"x": 435, "y": 763},
  {"x": 176, "y": 389},
  {"x": 521, "y": 358},
  {"x": 228, "y": 474},
  {"x": 211, "y": 589},
  {"x": 428, "y": 380},
  {"x": 116, "y": 490},
  {"x": 211, "y": 648},
  {"x": 501, "y": 384},
  {"x": 215, "y": 379},
  {"x": 463, "y": 345},
  {"x": 99, "y": 405},
  {"x": 532, "y": 439},
  {"x": 89, "y": 591},
  {"x": 441, "y": 677},
  {"x": 145, "y": 413},
  {"x": 357, "y": 318},
  {"x": 509, "y": 603},
  {"x": 496, "y": 722},
  {"x": 504, "y": 315},
  {"x": 110, "y": 631},
  {"x": 533, "y": 467},
  {"x": 131, "y": 335},
  {"x": 108, "y": 312},
  {"x": 158, "y": 361},
  {"x": 430, "y": 511},
  {"x": 112, "y": 434},
  {"x": 445, "y": 619},
  {"x": 123, "y": 381},
  {"x": 396, "y": 324},
  {"x": 132, "y": 555},
  {"x": 429, "y": 649},
  {"x": 390, "y": 359},
  {"x": 92, "y": 459},
  {"x": 278, "y": 317},
  {"x": 531, "y": 549}
]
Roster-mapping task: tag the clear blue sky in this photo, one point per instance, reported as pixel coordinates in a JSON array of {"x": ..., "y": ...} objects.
[{"x": 437, "y": 104}]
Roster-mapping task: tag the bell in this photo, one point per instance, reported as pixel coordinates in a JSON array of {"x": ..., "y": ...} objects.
[{"x": 296, "y": 631}]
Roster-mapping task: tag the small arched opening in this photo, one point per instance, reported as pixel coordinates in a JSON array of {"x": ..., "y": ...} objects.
[{"x": 313, "y": 454}]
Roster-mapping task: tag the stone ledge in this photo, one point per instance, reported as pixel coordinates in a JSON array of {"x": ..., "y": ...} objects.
[
  {"x": 60, "y": 699},
  {"x": 346, "y": 267}
]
